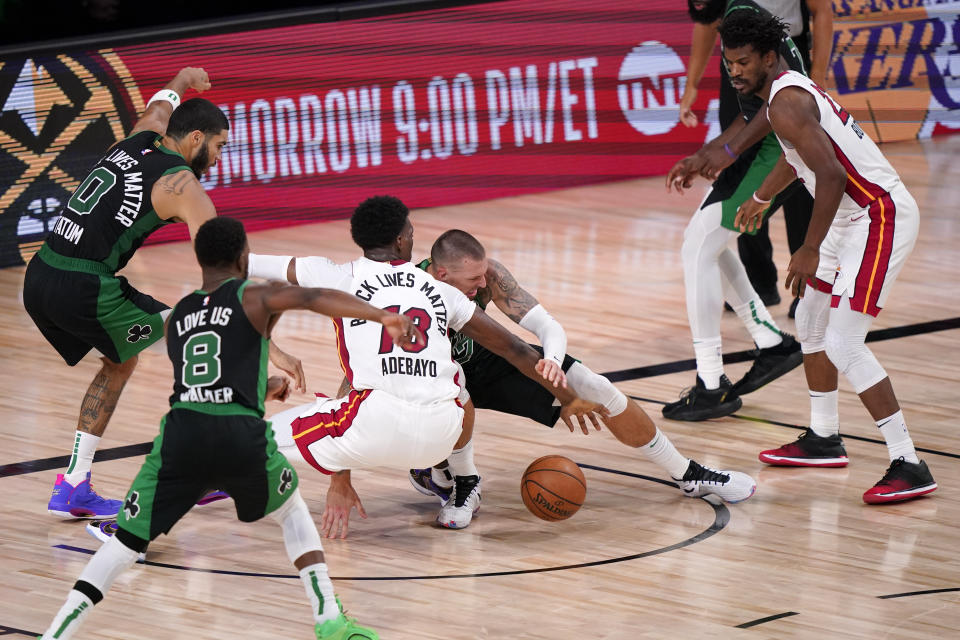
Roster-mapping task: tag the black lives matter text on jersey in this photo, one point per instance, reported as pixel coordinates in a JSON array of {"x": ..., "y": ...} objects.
[
  {"x": 101, "y": 180},
  {"x": 405, "y": 279}
]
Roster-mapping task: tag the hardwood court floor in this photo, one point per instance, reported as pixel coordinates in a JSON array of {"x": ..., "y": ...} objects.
[{"x": 638, "y": 561}]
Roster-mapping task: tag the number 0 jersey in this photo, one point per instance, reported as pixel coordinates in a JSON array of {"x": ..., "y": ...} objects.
[
  {"x": 421, "y": 373},
  {"x": 111, "y": 213},
  {"x": 219, "y": 358},
  {"x": 869, "y": 175}
]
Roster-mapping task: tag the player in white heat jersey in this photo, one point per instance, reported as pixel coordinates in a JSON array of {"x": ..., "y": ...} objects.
[
  {"x": 863, "y": 227},
  {"x": 403, "y": 410}
]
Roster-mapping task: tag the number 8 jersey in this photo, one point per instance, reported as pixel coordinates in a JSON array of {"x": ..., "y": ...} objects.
[
  {"x": 219, "y": 358},
  {"x": 421, "y": 373}
]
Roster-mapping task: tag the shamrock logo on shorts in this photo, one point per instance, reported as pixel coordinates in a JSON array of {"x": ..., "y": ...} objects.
[
  {"x": 139, "y": 332},
  {"x": 130, "y": 506},
  {"x": 286, "y": 481}
]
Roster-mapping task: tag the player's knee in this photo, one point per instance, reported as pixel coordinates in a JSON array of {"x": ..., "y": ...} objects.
[
  {"x": 813, "y": 313},
  {"x": 122, "y": 370},
  {"x": 854, "y": 360},
  {"x": 300, "y": 535},
  {"x": 595, "y": 388}
]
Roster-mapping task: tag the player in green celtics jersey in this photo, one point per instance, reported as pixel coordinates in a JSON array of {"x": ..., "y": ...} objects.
[
  {"x": 72, "y": 289},
  {"x": 458, "y": 259},
  {"x": 214, "y": 435}
]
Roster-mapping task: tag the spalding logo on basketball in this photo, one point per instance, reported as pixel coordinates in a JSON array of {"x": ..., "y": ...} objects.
[{"x": 553, "y": 488}]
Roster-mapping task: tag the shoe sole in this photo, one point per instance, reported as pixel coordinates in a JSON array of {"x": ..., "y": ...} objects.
[
  {"x": 792, "y": 361},
  {"x": 705, "y": 414},
  {"x": 452, "y": 525},
  {"x": 781, "y": 461},
  {"x": 753, "y": 490},
  {"x": 81, "y": 515},
  {"x": 899, "y": 496}
]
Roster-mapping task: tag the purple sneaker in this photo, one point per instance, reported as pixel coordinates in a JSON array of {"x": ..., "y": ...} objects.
[
  {"x": 213, "y": 497},
  {"x": 81, "y": 501},
  {"x": 422, "y": 481}
]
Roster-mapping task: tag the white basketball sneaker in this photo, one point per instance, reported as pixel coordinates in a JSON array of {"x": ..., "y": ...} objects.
[
  {"x": 463, "y": 504},
  {"x": 105, "y": 530},
  {"x": 731, "y": 486}
]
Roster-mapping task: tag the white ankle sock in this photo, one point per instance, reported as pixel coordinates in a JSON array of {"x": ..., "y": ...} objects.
[
  {"x": 441, "y": 475},
  {"x": 824, "y": 413},
  {"x": 709, "y": 361},
  {"x": 84, "y": 446},
  {"x": 662, "y": 453},
  {"x": 759, "y": 323},
  {"x": 461, "y": 461},
  {"x": 899, "y": 444},
  {"x": 319, "y": 588}
]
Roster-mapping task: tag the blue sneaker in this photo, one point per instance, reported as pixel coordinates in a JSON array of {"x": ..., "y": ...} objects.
[
  {"x": 80, "y": 501},
  {"x": 422, "y": 481},
  {"x": 212, "y": 497}
]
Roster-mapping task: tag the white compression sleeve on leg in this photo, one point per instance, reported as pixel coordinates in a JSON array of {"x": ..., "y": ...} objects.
[
  {"x": 813, "y": 313},
  {"x": 595, "y": 388},
  {"x": 268, "y": 267},
  {"x": 300, "y": 534},
  {"x": 846, "y": 334},
  {"x": 552, "y": 337}
]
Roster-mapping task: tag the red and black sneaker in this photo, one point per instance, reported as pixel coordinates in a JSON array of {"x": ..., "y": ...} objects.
[
  {"x": 902, "y": 481},
  {"x": 809, "y": 450}
]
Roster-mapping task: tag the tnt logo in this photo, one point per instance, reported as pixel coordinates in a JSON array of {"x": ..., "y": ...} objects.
[{"x": 651, "y": 82}]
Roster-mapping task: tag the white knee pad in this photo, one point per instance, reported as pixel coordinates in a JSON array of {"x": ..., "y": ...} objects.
[
  {"x": 300, "y": 534},
  {"x": 595, "y": 388},
  {"x": 813, "y": 314},
  {"x": 846, "y": 349}
]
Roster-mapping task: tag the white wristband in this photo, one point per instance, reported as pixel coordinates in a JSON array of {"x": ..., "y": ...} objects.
[
  {"x": 551, "y": 335},
  {"x": 758, "y": 200},
  {"x": 166, "y": 95},
  {"x": 268, "y": 267}
]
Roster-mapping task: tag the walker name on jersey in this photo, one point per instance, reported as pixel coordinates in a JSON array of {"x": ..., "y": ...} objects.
[
  {"x": 404, "y": 279},
  {"x": 223, "y": 395},
  {"x": 407, "y": 366},
  {"x": 217, "y": 315}
]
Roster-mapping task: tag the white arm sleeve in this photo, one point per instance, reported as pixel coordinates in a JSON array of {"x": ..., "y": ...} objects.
[
  {"x": 268, "y": 267},
  {"x": 321, "y": 272},
  {"x": 551, "y": 335}
]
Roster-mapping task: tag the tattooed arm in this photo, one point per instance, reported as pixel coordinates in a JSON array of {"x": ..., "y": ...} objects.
[
  {"x": 180, "y": 197},
  {"x": 521, "y": 307}
]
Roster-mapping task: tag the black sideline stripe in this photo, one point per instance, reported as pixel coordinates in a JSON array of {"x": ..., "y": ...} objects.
[
  {"x": 918, "y": 593},
  {"x": 129, "y": 451},
  {"x": 753, "y": 623}
]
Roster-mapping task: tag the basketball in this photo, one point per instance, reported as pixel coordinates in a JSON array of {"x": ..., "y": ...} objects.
[{"x": 553, "y": 488}]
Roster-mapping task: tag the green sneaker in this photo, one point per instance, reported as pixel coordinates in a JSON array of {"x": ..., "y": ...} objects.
[{"x": 343, "y": 628}]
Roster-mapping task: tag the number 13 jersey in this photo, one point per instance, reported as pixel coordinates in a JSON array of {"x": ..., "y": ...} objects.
[{"x": 421, "y": 373}]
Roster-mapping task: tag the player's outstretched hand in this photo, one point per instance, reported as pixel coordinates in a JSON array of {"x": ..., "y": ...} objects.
[
  {"x": 341, "y": 499},
  {"x": 278, "y": 388},
  {"x": 290, "y": 365},
  {"x": 682, "y": 174},
  {"x": 196, "y": 78},
  {"x": 750, "y": 215},
  {"x": 581, "y": 408},
  {"x": 552, "y": 372},
  {"x": 402, "y": 329}
]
